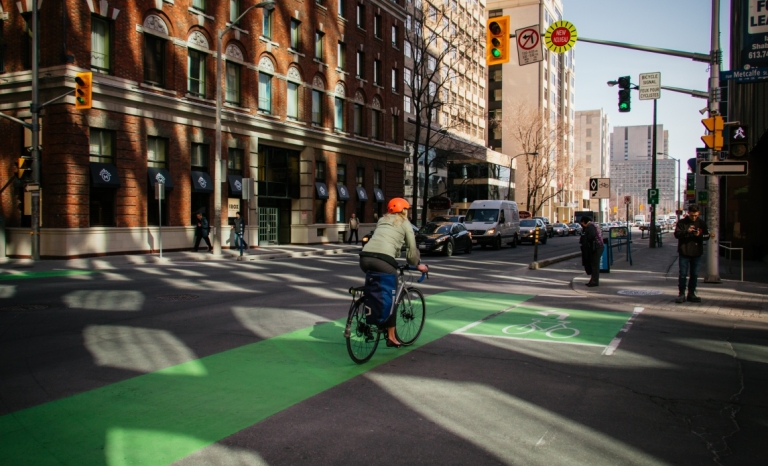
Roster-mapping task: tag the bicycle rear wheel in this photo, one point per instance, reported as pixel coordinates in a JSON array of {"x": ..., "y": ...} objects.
[
  {"x": 362, "y": 338},
  {"x": 411, "y": 313}
]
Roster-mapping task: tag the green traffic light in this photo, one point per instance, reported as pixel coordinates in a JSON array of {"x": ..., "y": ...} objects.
[
  {"x": 496, "y": 53},
  {"x": 623, "y": 105}
]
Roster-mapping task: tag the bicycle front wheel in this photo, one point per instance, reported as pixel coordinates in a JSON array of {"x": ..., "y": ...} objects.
[
  {"x": 411, "y": 313},
  {"x": 362, "y": 338}
]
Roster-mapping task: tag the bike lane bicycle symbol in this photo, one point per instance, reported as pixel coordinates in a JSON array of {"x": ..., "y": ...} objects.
[{"x": 546, "y": 328}]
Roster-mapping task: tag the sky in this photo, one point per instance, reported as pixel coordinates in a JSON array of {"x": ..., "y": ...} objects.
[{"x": 672, "y": 24}]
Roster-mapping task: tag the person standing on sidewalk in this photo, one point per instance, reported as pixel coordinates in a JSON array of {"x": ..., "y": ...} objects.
[
  {"x": 592, "y": 247},
  {"x": 354, "y": 224},
  {"x": 239, "y": 227},
  {"x": 690, "y": 232},
  {"x": 202, "y": 229}
]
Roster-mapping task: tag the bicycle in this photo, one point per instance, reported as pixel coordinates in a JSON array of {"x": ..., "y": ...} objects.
[
  {"x": 363, "y": 338},
  {"x": 549, "y": 331}
]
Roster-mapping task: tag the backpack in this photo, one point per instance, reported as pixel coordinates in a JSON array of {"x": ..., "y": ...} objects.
[{"x": 379, "y": 296}]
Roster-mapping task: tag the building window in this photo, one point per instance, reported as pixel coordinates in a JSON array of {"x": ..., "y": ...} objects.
[
  {"x": 360, "y": 181},
  {"x": 199, "y": 156},
  {"x": 265, "y": 92},
  {"x": 320, "y": 171},
  {"x": 589, "y": 146},
  {"x": 377, "y": 185},
  {"x": 408, "y": 52},
  {"x": 361, "y": 16},
  {"x": 394, "y": 36},
  {"x": 154, "y": 60},
  {"x": 377, "y": 26},
  {"x": 360, "y": 64},
  {"x": 233, "y": 83},
  {"x": 395, "y": 126},
  {"x": 295, "y": 27},
  {"x": 196, "y": 76},
  {"x": 407, "y": 76},
  {"x": 341, "y": 55},
  {"x": 338, "y": 119},
  {"x": 198, "y": 5},
  {"x": 101, "y": 145},
  {"x": 431, "y": 62},
  {"x": 407, "y": 104},
  {"x": 317, "y": 108},
  {"x": 341, "y": 7},
  {"x": 267, "y": 23},
  {"x": 358, "y": 114},
  {"x": 394, "y": 79},
  {"x": 235, "y": 162},
  {"x": 293, "y": 101},
  {"x": 234, "y": 10},
  {"x": 589, "y": 132},
  {"x": 319, "y": 45},
  {"x": 157, "y": 151},
  {"x": 376, "y": 124},
  {"x": 102, "y": 200},
  {"x": 320, "y": 203},
  {"x": 377, "y": 72},
  {"x": 101, "y": 45}
]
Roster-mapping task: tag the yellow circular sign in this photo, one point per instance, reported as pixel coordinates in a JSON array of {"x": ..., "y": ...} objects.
[{"x": 560, "y": 36}]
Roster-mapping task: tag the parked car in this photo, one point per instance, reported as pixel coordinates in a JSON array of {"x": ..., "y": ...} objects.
[
  {"x": 575, "y": 229},
  {"x": 449, "y": 218},
  {"x": 527, "y": 228},
  {"x": 444, "y": 237},
  {"x": 367, "y": 237},
  {"x": 561, "y": 229},
  {"x": 605, "y": 226}
]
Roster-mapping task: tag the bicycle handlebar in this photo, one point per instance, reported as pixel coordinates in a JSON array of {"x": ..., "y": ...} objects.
[{"x": 423, "y": 274}]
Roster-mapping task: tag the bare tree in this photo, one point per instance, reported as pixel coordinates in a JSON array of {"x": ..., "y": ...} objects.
[{"x": 440, "y": 46}]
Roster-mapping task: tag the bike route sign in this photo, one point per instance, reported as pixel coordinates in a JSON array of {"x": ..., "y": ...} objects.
[{"x": 578, "y": 327}]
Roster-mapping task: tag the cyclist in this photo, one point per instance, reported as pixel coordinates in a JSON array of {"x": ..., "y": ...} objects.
[{"x": 378, "y": 255}]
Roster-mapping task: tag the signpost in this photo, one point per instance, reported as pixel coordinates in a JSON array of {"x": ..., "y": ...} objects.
[
  {"x": 160, "y": 195},
  {"x": 560, "y": 36},
  {"x": 723, "y": 168},
  {"x": 702, "y": 197},
  {"x": 650, "y": 86},
  {"x": 529, "y": 47},
  {"x": 600, "y": 188}
]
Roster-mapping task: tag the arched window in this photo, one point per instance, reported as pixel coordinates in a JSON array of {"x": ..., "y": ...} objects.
[
  {"x": 294, "y": 93},
  {"x": 266, "y": 74},
  {"x": 234, "y": 73}
]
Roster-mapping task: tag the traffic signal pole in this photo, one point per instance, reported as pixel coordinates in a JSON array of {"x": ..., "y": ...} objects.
[
  {"x": 35, "y": 136},
  {"x": 713, "y": 182},
  {"x": 652, "y": 240}
]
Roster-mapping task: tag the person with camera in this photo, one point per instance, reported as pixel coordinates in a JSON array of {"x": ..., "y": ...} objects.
[{"x": 691, "y": 231}]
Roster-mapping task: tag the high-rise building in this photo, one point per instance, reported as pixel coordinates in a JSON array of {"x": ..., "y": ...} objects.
[
  {"x": 547, "y": 90},
  {"x": 591, "y": 142}
]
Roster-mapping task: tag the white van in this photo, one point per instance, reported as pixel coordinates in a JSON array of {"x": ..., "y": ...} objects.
[{"x": 493, "y": 223}]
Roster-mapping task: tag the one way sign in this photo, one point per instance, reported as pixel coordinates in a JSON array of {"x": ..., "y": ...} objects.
[
  {"x": 723, "y": 168},
  {"x": 600, "y": 188}
]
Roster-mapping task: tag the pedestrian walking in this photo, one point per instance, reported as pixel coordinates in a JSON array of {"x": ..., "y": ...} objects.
[
  {"x": 691, "y": 231},
  {"x": 202, "y": 229},
  {"x": 239, "y": 227},
  {"x": 592, "y": 247},
  {"x": 354, "y": 224}
]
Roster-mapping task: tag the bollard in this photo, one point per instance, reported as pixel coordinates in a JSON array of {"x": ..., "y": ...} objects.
[{"x": 536, "y": 244}]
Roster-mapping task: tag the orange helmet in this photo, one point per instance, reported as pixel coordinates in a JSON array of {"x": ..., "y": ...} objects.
[{"x": 397, "y": 205}]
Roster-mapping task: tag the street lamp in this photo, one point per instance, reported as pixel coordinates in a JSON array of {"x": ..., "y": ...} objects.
[
  {"x": 509, "y": 185},
  {"x": 268, "y": 5}
]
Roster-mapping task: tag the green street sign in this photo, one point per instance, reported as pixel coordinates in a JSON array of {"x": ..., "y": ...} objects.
[
  {"x": 653, "y": 196},
  {"x": 702, "y": 198}
]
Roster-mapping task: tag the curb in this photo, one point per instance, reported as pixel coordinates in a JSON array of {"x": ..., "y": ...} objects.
[{"x": 543, "y": 263}]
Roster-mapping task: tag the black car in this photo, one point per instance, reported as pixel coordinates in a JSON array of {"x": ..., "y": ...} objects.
[
  {"x": 444, "y": 237},
  {"x": 527, "y": 228},
  {"x": 367, "y": 237},
  {"x": 575, "y": 229}
]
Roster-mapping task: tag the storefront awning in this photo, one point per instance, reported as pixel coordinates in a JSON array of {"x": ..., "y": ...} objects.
[
  {"x": 161, "y": 175},
  {"x": 201, "y": 182},
  {"x": 104, "y": 175},
  {"x": 378, "y": 194},
  {"x": 321, "y": 189},
  {"x": 361, "y": 194},
  {"x": 235, "y": 185},
  {"x": 343, "y": 192}
]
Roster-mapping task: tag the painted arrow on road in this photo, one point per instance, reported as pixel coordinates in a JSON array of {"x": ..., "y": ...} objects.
[{"x": 723, "y": 168}]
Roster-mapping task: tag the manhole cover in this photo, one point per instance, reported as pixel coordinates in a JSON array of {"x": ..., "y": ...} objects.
[
  {"x": 178, "y": 297},
  {"x": 24, "y": 308},
  {"x": 641, "y": 292}
]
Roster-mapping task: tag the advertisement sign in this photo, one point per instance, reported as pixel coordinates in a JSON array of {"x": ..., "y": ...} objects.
[
  {"x": 439, "y": 203},
  {"x": 754, "y": 49},
  {"x": 233, "y": 206}
]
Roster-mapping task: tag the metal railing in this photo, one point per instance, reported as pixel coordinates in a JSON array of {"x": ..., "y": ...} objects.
[{"x": 730, "y": 257}]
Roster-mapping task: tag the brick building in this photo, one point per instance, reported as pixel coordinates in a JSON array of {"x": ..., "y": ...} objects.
[{"x": 308, "y": 105}]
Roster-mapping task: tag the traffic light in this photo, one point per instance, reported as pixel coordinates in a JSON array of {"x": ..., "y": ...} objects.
[
  {"x": 737, "y": 139},
  {"x": 625, "y": 96},
  {"x": 83, "y": 90},
  {"x": 24, "y": 164},
  {"x": 497, "y": 40},
  {"x": 714, "y": 140}
]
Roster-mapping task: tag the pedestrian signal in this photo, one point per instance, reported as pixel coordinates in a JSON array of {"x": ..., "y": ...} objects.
[
  {"x": 83, "y": 90},
  {"x": 737, "y": 140},
  {"x": 714, "y": 125},
  {"x": 625, "y": 96},
  {"x": 497, "y": 40}
]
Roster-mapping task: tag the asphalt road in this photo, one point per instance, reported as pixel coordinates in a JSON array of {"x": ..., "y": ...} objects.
[{"x": 244, "y": 363}]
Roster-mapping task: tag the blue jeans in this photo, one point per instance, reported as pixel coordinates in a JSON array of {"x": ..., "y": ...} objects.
[
  {"x": 240, "y": 243},
  {"x": 688, "y": 263}
]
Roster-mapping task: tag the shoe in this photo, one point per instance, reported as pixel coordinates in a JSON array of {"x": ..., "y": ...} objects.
[
  {"x": 591, "y": 285},
  {"x": 680, "y": 298},
  {"x": 692, "y": 298},
  {"x": 392, "y": 344}
]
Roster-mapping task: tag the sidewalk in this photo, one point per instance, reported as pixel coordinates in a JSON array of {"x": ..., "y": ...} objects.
[
  {"x": 652, "y": 282},
  {"x": 256, "y": 254}
]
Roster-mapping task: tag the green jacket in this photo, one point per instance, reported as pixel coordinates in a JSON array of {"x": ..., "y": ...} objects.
[{"x": 388, "y": 238}]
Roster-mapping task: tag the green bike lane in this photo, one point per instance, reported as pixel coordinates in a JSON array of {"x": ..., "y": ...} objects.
[{"x": 160, "y": 417}]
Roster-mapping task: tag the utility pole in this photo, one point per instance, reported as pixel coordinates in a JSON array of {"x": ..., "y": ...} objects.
[
  {"x": 653, "y": 178},
  {"x": 35, "y": 137},
  {"x": 713, "y": 182}
]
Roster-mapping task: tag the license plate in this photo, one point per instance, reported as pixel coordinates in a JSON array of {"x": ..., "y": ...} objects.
[
  {"x": 422, "y": 246},
  {"x": 474, "y": 241}
]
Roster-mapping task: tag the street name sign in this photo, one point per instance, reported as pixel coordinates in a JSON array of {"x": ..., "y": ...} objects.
[
  {"x": 653, "y": 196},
  {"x": 560, "y": 36},
  {"x": 650, "y": 86},
  {"x": 529, "y": 46},
  {"x": 723, "y": 168},
  {"x": 600, "y": 188}
]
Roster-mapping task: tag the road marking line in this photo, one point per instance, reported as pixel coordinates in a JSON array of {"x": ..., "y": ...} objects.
[
  {"x": 473, "y": 324},
  {"x": 529, "y": 339},
  {"x": 611, "y": 348}
]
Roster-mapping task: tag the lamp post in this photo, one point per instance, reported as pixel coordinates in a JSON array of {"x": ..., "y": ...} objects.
[
  {"x": 509, "y": 184},
  {"x": 217, "y": 169}
]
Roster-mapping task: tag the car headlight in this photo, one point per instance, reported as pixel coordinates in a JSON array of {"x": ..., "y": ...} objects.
[
  {"x": 441, "y": 239},
  {"x": 491, "y": 231}
]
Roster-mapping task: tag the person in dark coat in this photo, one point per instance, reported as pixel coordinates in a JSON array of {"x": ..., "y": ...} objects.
[
  {"x": 690, "y": 232},
  {"x": 592, "y": 247},
  {"x": 202, "y": 229},
  {"x": 239, "y": 227}
]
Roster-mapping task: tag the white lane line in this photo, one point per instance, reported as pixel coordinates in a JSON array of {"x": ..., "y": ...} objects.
[
  {"x": 611, "y": 348},
  {"x": 473, "y": 324},
  {"x": 530, "y": 339}
]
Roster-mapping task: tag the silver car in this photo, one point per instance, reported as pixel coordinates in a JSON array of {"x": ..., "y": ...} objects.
[{"x": 561, "y": 229}]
